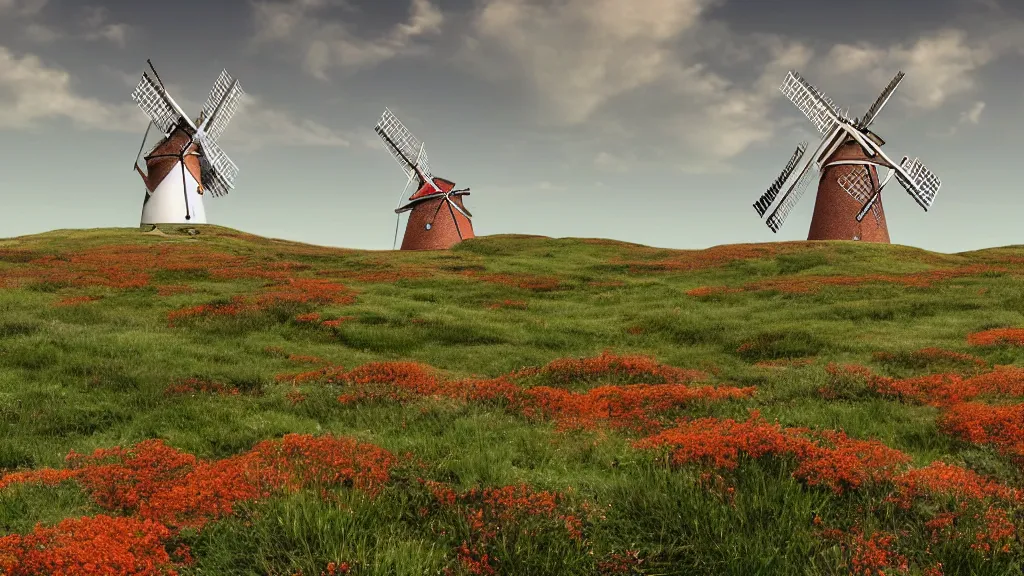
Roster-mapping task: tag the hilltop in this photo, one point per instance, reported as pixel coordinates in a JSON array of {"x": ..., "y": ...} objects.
[{"x": 224, "y": 403}]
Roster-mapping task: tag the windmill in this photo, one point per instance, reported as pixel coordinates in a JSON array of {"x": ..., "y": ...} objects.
[
  {"x": 848, "y": 158},
  {"x": 437, "y": 217},
  {"x": 187, "y": 161}
]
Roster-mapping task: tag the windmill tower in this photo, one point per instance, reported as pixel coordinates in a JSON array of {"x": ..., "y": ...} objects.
[
  {"x": 187, "y": 161},
  {"x": 437, "y": 217},
  {"x": 848, "y": 158}
]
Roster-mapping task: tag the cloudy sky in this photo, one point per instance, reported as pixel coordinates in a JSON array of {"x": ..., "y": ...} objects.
[{"x": 651, "y": 121}]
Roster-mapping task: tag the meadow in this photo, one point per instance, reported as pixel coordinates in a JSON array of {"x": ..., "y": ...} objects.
[{"x": 223, "y": 403}]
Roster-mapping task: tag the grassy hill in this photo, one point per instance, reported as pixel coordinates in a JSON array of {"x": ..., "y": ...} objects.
[{"x": 222, "y": 403}]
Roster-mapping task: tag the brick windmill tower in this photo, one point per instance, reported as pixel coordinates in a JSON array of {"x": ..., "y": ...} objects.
[
  {"x": 438, "y": 219},
  {"x": 187, "y": 161},
  {"x": 848, "y": 158}
]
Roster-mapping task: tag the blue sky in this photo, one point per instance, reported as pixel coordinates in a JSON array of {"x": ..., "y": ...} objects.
[{"x": 650, "y": 121}]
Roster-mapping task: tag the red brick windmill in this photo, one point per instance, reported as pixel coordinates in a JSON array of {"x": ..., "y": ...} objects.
[
  {"x": 438, "y": 219},
  {"x": 848, "y": 158}
]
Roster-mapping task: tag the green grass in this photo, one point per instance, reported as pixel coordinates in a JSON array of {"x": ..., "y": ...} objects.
[{"x": 93, "y": 375}]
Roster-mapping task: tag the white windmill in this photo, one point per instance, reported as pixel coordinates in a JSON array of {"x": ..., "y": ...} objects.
[{"x": 187, "y": 161}]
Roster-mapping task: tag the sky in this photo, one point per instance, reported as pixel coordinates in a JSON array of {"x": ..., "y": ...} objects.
[{"x": 657, "y": 122}]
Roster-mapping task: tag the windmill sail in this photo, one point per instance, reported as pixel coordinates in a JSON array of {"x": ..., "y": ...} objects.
[
  {"x": 221, "y": 171},
  {"x": 221, "y": 105},
  {"x": 875, "y": 108},
  {"x": 155, "y": 104},
  {"x": 818, "y": 108},
  {"x": 923, "y": 185},
  {"x": 796, "y": 191},
  {"x": 403, "y": 145},
  {"x": 766, "y": 199}
]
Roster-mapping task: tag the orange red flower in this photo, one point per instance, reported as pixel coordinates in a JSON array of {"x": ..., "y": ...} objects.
[
  {"x": 1010, "y": 336},
  {"x": 90, "y": 546}
]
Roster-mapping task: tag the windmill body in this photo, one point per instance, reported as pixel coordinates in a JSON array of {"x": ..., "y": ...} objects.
[
  {"x": 187, "y": 162},
  {"x": 836, "y": 209},
  {"x": 171, "y": 192},
  {"x": 438, "y": 218},
  {"x": 848, "y": 204},
  {"x": 442, "y": 233}
]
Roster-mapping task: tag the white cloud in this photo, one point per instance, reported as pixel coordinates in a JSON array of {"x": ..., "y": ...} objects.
[
  {"x": 969, "y": 117},
  {"x": 579, "y": 54},
  {"x": 327, "y": 44},
  {"x": 98, "y": 27},
  {"x": 939, "y": 66},
  {"x": 973, "y": 115},
  {"x": 666, "y": 82},
  {"x": 23, "y": 8},
  {"x": 41, "y": 33},
  {"x": 31, "y": 91},
  {"x": 547, "y": 186},
  {"x": 656, "y": 73},
  {"x": 610, "y": 162},
  {"x": 258, "y": 125}
]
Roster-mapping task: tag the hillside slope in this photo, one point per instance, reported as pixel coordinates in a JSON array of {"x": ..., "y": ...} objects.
[{"x": 222, "y": 403}]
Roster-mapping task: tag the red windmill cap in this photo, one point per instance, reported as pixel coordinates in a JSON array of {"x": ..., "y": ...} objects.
[{"x": 426, "y": 189}]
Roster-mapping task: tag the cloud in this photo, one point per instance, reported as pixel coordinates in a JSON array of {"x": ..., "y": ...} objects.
[
  {"x": 94, "y": 23},
  {"x": 258, "y": 125},
  {"x": 672, "y": 85},
  {"x": 610, "y": 162},
  {"x": 41, "y": 33},
  {"x": 969, "y": 117},
  {"x": 326, "y": 44},
  {"x": 22, "y": 8},
  {"x": 547, "y": 186},
  {"x": 941, "y": 65},
  {"x": 579, "y": 54},
  {"x": 665, "y": 82},
  {"x": 973, "y": 115},
  {"x": 31, "y": 91},
  {"x": 97, "y": 27}
]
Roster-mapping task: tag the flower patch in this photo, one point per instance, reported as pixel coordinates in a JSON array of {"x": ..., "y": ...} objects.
[{"x": 997, "y": 336}]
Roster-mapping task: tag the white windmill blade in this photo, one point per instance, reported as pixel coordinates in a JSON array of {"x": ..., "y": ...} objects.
[
  {"x": 403, "y": 145},
  {"x": 766, "y": 199},
  {"x": 219, "y": 164},
  {"x": 790, "y": 199},
  {"x": 221, "y": 105},
  {"x": 217, "y": 93},
  {"x": 156, "y": 103},
  {"x": 918, "y": 181},
  {"x": 922, "y": 184},
  {"x": 818, "y": 108},
  {"x": 880, "y": 102},
  {"x": 215, "y": 184}
]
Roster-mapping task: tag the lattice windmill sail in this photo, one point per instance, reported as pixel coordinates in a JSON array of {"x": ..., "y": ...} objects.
[
  {"x": 847, "y": 159},
  {"x": 438, "y": 219},
  {"x": 187, "y": 161}
]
